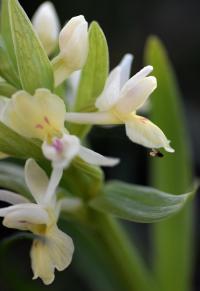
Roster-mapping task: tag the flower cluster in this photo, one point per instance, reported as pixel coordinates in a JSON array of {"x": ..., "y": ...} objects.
[{"x": 42, "y": 116}]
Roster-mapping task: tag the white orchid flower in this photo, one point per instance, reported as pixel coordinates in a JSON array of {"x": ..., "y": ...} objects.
[
  {"x": 46, "y": 24},
  {"x": 51, "y": 249},
  {"x": 46, "y": 117},
  {"x": 74, "y": 44},
  {"x": 120, "y": 100}
]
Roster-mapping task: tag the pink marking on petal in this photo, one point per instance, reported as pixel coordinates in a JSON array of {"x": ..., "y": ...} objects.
[
  {"x": 57, "y": 144},
  {"x": 46, "y": 120},
  {"x": 39, "y": 126},
  {"x": 143, "y": 119}
]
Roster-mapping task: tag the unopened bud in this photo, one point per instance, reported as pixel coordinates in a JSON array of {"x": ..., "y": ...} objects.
[
  {"x": 46, "y": 24},
  {"x": 73, "y": 42}
]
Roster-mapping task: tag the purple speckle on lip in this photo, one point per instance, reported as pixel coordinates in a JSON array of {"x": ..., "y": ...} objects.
[{"x": 57, "y": 144}]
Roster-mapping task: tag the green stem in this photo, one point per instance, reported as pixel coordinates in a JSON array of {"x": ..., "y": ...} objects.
[
  {"x": 128, "y": 266},
  {"x": 107, "y": 258}
]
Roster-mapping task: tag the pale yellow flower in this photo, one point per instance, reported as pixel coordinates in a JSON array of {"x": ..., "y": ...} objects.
[
  {"x": 42, "y": 116},
  {"x": 51, "y": 249},
  {"x": 120, "y": 100}
]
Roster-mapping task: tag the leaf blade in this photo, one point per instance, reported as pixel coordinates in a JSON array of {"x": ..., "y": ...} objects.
[
  {"x": 138, "y": 203},
  {"x": 34, "y": 67}
]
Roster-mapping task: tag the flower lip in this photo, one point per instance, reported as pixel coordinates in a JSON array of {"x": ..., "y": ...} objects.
[{"x": 57, "y": 144}]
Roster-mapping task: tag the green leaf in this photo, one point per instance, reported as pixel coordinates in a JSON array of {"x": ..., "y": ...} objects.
[
  {"x": 138, "y": 203},
  {"x": 93, "y": 76},
  {"x": 34, "y": 67},
  {"x": 7, "y": 34},
  {"x": 17, "y": 146},
  {"x": 173, "y": 239},
  {"x": 6, "y": 89},
  {"x": 7, "y": 70}
]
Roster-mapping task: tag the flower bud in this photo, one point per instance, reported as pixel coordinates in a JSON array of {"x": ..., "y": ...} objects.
[
  {"x": 73, "y": 43},
  {"x": 46, "y": 24}
]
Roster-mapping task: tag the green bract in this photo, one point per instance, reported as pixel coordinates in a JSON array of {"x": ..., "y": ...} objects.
[{"x": 33, "y": 65}]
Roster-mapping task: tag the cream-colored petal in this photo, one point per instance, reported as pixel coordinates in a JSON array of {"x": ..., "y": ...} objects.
[
  {"x": 103, "y": 118},
  {"x": 61, "y": 248},
  {"x": 45, "y": 112},
  {"x": 55, "y": 251},
  {"x": 134, "y": 97},
  {"x": 110, "y": 94},
  {"x": 36, "y": 180},
  {"x": 142, "y": 131},
  {"x": 4, "y": 211},
  {"x": 125, "y": 66},
  {"x": 137, "y": 78},
  {"x": 94, "y": 158},
  {"x": 15, "y": 121},
  {"x": 12, "y": 198},
  {"x": 41, "y": 262},
  {"x": 23, "y": 218}
]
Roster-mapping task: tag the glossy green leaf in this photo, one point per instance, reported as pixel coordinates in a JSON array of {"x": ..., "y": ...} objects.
[
  {"x": 173, "y": 173},
  {"x": 34, "y": 67},
  {"x": 93, "y": 76},
  {"x": 138, "y": 203},
  {"x": 7, "y": 70}
]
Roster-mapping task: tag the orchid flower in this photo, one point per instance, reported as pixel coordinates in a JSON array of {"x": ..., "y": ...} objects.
[
  {"x": 51, "y": 249},
  {"x": 46, "y": 24},
  {"x": 74, "y": 45},
  {"x": 46, "y": 117},
  {"x": 120, "y": 100}
]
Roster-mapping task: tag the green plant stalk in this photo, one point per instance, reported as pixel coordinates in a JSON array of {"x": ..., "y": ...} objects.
[
  {"x": 172, "y": 239},
  {"x": 128, "y": 266}
]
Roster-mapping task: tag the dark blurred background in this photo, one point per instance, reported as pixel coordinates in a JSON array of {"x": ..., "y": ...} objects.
[{"x": 127, "y": 24}]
